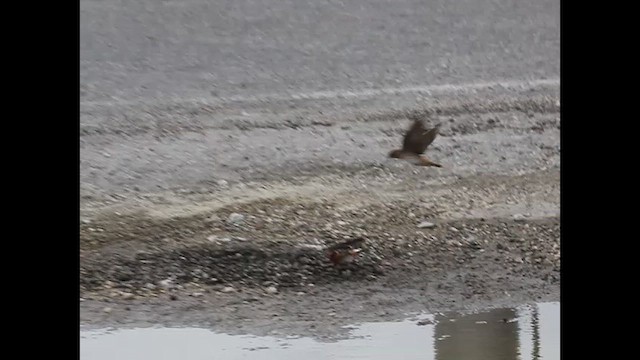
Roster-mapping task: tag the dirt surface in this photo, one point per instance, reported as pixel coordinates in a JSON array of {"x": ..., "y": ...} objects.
[{"x": 213, "y": 207}]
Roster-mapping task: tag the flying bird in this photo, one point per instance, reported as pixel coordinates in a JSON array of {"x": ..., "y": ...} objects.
[
  {"x": 346, "y": 251},
  {"x": 414, "y": 144}
]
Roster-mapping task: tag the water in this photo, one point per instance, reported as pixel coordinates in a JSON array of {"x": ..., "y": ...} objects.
[{"x": 530, "y": 332}]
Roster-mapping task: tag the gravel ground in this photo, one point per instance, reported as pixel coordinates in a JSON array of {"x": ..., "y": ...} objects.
[{"x": 259, "y": 265}]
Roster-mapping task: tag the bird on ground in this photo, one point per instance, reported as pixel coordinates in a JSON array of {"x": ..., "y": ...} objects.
[
  {"x": 414, "y": 144},
  {"x": 345, "y": 252}
]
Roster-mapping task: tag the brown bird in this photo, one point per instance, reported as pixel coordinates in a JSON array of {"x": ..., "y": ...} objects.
[
  {"x": 414, "y": 144},
  {"x": 345, "y": 252}
]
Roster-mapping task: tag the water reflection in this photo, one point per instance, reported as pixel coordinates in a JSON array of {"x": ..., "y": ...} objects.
[
  {"x": 484, "y": 335},
  {"x": 524, "y": 333},
  {"x": 539, "y": 331}
]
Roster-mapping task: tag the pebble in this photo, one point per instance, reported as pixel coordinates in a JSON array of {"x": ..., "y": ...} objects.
[
  {"x": 235, "y": 218},
  {"x": 107, "y": 310},
  {"x": 228, "y": 289},
  {"x": 453, "y": 229},
  {"x": 223, "y": 183},
  {"x": 127, "y": 296},
  {"x": 426, "y": 225},
  {"x": 341, "y": 223},
  {"x": 271, "y": 290},
  {"x": 197, "y": 294},
  {"x": 518, "y": 217},
  {"x": 166, "y": 283}
]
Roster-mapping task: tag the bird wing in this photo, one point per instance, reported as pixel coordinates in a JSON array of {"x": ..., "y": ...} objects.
[{"x": 418, "y": 138}]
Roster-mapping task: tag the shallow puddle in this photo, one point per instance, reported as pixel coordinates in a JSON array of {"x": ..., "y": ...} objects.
[{"x": 529, "y": 332}]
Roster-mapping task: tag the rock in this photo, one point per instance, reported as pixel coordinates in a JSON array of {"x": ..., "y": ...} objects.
[
  {"x": 271, "y": 290},
  {"x": 312, "y": 246},
  {"x": 125, "y": 275},
  {"x": 127, "y": 296},
  {"x": 235, "y": 219},
  {"x": 426, "y": 225},
  {"x": 453, "y": 229},
  {"x": 197, "y": 294},
  {"x": 107, "y": 310},
  {"x": 300, "y": 293},
  {"x": 166, "y": 283},
  {"x": 223, "y": 183},
  {"x": 518, "y": 217},
  {"x": 228, "y": 289},
  {"x": 149, "y": 286},
  {"x": 81, "y": 299},
  {"x": 424, "y": 322},
  {"x": 341, "y": 223}
]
